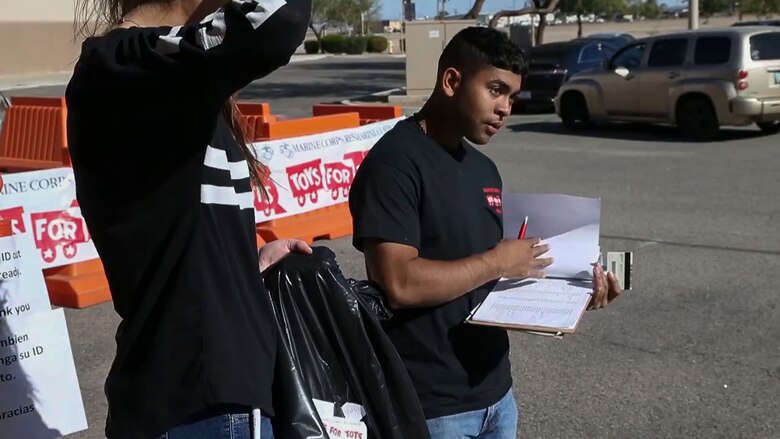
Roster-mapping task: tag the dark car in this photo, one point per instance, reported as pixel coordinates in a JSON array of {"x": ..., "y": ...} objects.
[
  {"x": 550, "y": 65},
  {"x": 758, "y": 23},
  {"x": 614, "y": 38}
]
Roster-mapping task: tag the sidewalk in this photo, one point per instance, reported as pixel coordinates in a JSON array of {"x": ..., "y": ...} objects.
[{"x": 8, "y": 83}]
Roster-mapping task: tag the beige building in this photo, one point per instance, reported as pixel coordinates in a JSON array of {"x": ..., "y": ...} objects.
[{"x": 37, "y": 37}]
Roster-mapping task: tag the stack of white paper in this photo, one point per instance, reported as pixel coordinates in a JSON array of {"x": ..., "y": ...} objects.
[
  {"x": 547, "y": 305},
  {"x": 39, "y": 390},
  {"x": 554, "y": 305},
  {"x": 568, "y": 224}
]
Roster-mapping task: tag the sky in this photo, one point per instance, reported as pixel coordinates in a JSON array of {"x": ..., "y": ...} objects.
[{"x": 391, "y": 9}]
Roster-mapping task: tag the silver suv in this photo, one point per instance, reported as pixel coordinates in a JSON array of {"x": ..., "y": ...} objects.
[{"x": 698, "y": 80}]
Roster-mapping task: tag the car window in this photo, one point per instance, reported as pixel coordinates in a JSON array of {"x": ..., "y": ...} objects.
[
  {"x": 712, "y": 50},
  {"x": 630, "y": 57},
  {"x": 765, "y": 46},
  {"x": 594, "y": 53},
  {"x": 668, "y": 53}
]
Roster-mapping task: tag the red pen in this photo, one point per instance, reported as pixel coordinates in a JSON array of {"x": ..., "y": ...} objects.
[{"x": 523, "y": 228}]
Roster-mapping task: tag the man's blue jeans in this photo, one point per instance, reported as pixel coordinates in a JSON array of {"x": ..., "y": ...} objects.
[
  {"x": 498, "y": 421},
  {"x": 236, "y": 425}
]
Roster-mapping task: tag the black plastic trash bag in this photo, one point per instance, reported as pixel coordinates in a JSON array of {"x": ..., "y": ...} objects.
[{"x": 332, "y": 348}]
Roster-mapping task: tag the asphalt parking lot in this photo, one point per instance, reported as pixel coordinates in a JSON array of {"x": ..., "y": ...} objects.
[{"x": 692, "y": 351}]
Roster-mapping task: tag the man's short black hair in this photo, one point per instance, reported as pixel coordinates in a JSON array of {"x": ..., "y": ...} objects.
[{"x": 475, "y": 48}]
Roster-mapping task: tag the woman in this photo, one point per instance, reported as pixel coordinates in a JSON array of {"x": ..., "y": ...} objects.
[{"x": 164, "y": 182}]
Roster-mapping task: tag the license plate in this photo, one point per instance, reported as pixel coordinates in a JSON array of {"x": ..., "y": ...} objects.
[
  {"x": 526, "y": 95},
  {"x": 777, "y": 77}
]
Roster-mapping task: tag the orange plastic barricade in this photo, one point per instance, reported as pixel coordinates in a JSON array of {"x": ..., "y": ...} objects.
[
  {"x": 368, "y": 113},
  {"x": 78, "y": 285},
  {"x": 254, "y": 108},
  {"x": 325, "y": 223},
  {"x": 308, "y": 125},
  {"x": 34, "y": 134},
  {"x": 252, "y": 115}
]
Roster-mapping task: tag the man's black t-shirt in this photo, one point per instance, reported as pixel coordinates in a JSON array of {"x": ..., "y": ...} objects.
[
  {"x": 165, "y": 191},
  {"x": 411, "y": 190}
]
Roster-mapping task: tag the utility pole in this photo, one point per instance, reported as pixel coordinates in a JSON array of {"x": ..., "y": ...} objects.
[{"x": 693, "y": 14}]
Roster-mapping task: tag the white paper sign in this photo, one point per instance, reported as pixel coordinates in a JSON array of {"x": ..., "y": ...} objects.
[
  {"x": 347, "y": 427},
  {"x": 22, "y": 289},
  {"x": 352, "y": 411},
  {"x": 324, "y": 408},
  {"x": 344, "y": 428},
  {"x": 39, "y": 391},
  {"x": 26, "y": 183}
]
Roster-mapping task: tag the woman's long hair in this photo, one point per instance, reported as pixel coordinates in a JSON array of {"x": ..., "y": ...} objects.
[{"x": 93, "y": 17}]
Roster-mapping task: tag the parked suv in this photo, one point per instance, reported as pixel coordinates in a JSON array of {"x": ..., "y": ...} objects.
[{"x": 698, "y": 80}]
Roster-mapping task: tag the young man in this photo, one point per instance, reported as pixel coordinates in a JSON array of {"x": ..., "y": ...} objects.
[{"x": 425, "y": 217}]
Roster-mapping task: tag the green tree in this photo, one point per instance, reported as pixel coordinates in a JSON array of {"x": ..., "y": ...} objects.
[
  {"x": 586, "y": 7},
  {"x": 539, "y": 7},
  {"x": 609, "y": 7},
  {"x": 320, "y": 11},
  {"x": 578, "y": 8},
  {"x": 650, "y": 9},
  {"x": 711, "y": 7},
  {"x": 355, "y": 13},
  {"x": 758, "y": 7}
]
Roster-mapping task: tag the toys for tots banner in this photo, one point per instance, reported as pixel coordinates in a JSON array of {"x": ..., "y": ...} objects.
[
  {"x": 44, "y": 203},
  {"x": 307, "y": 173},
  {"x": 312, "y": 172}
]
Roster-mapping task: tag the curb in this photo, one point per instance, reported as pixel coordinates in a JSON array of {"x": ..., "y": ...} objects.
[
  {"x": 393, "y": 96},
  {"x": 303, "y": 58}
]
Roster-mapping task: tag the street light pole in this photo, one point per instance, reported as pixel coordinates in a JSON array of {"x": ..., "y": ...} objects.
[{"x": 693, "y": 14}]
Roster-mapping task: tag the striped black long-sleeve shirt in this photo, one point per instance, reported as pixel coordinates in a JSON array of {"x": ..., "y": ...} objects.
[{"x": 166, "y": 194}]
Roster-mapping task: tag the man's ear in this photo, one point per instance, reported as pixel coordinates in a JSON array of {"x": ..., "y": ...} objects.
[{"x": 451, "y": 80}]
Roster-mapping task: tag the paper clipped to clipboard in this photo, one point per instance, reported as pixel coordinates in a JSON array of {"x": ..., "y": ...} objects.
[
  {"x": 554, "y": 305},
  {"x": 548, "y": 306}
]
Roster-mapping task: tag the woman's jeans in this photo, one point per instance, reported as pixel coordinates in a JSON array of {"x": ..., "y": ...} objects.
[{"x": 235, "y": 424}]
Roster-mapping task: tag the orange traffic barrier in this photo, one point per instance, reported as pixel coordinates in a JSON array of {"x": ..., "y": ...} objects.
[
  {"x": 250, "y": 125},
  {"x": 253, "y": 114},
  {"x": 254, "y": 108},
  {"x": 308, "y": 125},
  {"x": 34, "y": 134},
  {"x": 368, "y": 113},
  {"x": 326, "y": 223},
  {"x": 78, "y": 285}
]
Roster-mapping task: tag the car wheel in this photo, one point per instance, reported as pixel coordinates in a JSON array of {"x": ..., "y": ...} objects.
[
  {"x": 574, "y": 111},
  {"x": 769, "y": 127},
  {"x": 697, "y": 119}
]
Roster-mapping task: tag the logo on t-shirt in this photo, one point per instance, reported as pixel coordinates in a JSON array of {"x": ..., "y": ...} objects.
[{"x": 493, "y": 197}]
